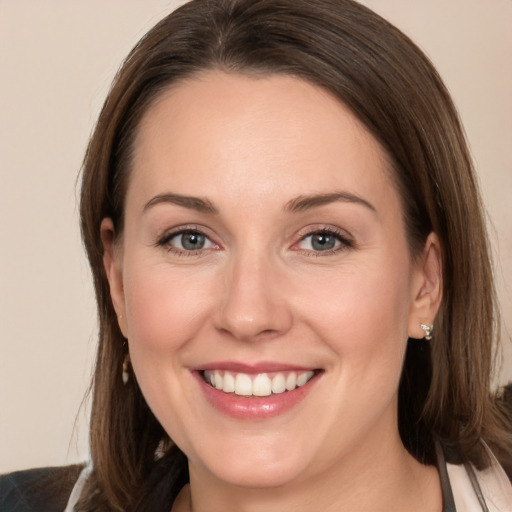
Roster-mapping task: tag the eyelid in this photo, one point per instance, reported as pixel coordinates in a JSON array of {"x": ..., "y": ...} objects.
[
  {"x": 164, "y": 239},
  {"x": 346, "y": 239}
]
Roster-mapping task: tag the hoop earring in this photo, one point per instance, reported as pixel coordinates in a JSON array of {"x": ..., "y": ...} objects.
[{"x": 427, "y": 329}]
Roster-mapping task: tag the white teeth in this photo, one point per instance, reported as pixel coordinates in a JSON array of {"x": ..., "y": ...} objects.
[
  {"x": 291, "y": 381},
  {"x": 229, "y": 383},
  {"x": 243, "y": 384},
  {"x": 278, "y": 384},
  {"x": 262, "y": 384},
  {"x": 303, "y": 378}
]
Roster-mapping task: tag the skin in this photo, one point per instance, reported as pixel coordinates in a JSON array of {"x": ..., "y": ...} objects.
[{"x": 260, "y": 291}]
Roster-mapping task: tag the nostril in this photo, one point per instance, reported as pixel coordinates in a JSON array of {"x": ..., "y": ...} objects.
[
  {"x": 251, "y": 316},
  {"x": 246, "y": 333}
]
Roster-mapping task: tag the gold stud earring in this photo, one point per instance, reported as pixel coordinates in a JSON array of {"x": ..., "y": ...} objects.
[{"x": 427, "y": 329}]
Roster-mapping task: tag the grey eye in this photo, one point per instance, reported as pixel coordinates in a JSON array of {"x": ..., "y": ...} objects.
[
  {"x": 320, "y": 241},
  {"x": 190, "y": 241},
  {"x": 323, "y": 241}
]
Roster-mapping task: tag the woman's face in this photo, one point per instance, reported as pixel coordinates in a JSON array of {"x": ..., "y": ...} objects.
[{"x": 264, "y": 251}]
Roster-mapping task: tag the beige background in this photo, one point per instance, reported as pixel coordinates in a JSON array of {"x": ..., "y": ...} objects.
[{"x": 57, "y": 59}]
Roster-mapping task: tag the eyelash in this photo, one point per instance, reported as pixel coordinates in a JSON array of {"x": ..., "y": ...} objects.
[
  {"x": 164, "y": 241},
  {"x": 345, "y": 242},
  {"x": 341, "y": 237}
]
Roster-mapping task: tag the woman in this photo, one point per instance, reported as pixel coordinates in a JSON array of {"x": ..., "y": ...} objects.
[{"x": 281, "y": 216}]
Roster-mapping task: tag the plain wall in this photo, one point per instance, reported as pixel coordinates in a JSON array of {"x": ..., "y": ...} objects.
[{"x": 57, "y": 59}]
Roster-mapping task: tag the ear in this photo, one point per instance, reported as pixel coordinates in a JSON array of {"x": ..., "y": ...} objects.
[
  {"x": 113, "y": 269},
  {"x": 427, "y": 289}
]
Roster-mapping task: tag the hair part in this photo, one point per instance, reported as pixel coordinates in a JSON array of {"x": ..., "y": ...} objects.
[{"x": 394, "y": 90}]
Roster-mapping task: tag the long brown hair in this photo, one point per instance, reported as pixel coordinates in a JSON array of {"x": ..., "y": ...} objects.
[{"x": 391, "y": 86}]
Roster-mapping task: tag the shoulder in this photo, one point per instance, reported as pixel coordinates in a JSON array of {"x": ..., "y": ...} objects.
[{"x": 38, "y": 490}]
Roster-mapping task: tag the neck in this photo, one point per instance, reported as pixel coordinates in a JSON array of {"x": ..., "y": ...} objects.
[{"x": 378, "y": 477}]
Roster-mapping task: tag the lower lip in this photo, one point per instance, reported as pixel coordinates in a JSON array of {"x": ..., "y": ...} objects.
[{"x": 254, "y": 407}]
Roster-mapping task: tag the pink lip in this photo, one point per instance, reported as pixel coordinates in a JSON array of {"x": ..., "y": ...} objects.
[
  {"x": 261, "y": 367},
  {"x": 253, "y": 408}
]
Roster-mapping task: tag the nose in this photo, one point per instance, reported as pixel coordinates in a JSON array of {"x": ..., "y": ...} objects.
[{"x": 253, "y": 303}]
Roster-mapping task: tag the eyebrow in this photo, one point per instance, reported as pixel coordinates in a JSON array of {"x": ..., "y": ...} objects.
[
  {"x": 302, "y": 203},
  {"x": 295, "y": 205},
  {"x": 193, "y": 203}
]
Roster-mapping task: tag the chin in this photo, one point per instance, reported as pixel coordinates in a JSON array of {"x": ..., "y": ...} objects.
[
  {"x": 262, "y": 464},
  {"x": 251, "y": 475}
]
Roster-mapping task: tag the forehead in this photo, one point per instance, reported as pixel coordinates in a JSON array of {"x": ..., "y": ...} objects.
[{"x": 235, "y": 136}]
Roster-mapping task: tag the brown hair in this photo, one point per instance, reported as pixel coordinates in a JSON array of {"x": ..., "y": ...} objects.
[{"x": 391, "y": 86}]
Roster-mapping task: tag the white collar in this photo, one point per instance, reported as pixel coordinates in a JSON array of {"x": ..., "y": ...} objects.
[
  {"x": 494, "y": 483},
  {"x": 78, "y": 487}
]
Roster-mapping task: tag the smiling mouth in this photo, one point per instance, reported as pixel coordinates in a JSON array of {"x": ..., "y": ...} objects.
[{"x": 261, "y": 384}]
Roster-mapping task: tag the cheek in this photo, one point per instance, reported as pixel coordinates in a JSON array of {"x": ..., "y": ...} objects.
[
  {"x": 163, "y": 307},
  {"x": 362, "y": 313}
]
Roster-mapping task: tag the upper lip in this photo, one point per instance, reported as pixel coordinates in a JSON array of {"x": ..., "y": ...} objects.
[{"x": 253, "y": 368}]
